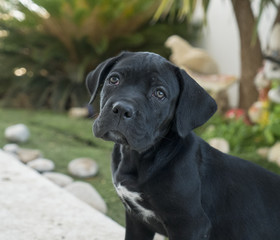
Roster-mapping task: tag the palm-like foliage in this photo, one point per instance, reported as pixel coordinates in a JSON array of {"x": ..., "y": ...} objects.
[
  {"x": 60, "y": 43},
  {"x": 179, "y": 8},
  {"x": 187, "y": 7}
]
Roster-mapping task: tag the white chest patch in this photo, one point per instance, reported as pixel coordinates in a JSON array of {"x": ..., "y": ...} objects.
[{"x": 134, "y": 198}]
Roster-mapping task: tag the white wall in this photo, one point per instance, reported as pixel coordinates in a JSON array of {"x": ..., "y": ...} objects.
[{"x": 220, "y": 36}]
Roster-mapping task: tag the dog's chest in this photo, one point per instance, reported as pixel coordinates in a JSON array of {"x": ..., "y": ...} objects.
[
  {"x": 125, "y": 179},
  {"x": 134, "y": 202}
]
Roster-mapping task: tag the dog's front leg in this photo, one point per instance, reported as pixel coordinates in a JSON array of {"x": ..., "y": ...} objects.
[{"x": 136, "y": 230}]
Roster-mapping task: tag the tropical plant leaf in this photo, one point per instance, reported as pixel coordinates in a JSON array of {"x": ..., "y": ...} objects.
[{"x": 163, "y": 9}]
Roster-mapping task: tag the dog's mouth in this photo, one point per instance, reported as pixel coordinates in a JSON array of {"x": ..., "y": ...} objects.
[
  {"x": 134, "y": 137},
  {"x": 115, "y": 136}
]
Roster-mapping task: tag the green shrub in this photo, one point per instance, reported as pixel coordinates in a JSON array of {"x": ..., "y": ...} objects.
[{"x": 241, "y": 136}]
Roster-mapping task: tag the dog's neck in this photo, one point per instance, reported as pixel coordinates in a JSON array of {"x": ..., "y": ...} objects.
[{"x": 129, "y": 162}]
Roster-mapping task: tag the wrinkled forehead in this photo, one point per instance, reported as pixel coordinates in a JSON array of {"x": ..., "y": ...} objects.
[{"x": 147, "y": 65}]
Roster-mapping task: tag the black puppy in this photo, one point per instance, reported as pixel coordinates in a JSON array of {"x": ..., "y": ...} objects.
[{"x": 170, "y": 180}]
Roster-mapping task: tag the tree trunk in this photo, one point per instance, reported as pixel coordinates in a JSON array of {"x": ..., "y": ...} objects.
[
  {"x": 277, "y": 18},
  {"x": 251, "y": 55}
]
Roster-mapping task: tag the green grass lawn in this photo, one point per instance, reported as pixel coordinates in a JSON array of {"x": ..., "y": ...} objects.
[{"x": 62, "y": 139}]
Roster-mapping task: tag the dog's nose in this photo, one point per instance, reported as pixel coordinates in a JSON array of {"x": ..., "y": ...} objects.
[{"x": 123, "y": 109}]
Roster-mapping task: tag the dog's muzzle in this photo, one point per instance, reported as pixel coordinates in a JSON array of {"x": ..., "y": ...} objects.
[
  {"x": 116, "y": 122},
  {"x": 126, "y": 122}
]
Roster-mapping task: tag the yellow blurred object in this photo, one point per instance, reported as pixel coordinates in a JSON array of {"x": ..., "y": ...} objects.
[
  {"x": 265, "y": 113},
  {"x": 259, "y": 113}
]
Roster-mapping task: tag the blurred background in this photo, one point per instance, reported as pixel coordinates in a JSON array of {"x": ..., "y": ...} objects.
[{"x": 47, "y": 47}]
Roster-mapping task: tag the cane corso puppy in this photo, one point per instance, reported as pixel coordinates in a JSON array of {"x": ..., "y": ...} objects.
[{"x": 170, "y": 180}]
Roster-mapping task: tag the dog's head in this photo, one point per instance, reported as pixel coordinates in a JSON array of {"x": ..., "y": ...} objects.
[{"x": 143, "y": 96}]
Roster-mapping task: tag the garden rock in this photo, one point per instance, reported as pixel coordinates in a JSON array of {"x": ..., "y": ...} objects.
[
  {"x": 274, "y": 153},
  {"x": 59, "y": 179},
  {"x": 26, "y": 155},
  {"x": 263, "y": 152},
  {"x": 220, "y": 144},
  {"x": 17, "y": 133},
  {"x": 42, "y": 165},
  {"x": 83, "y": 167},
  {"x": 11, "y": 148},
  {"x": 85, "y": 192},
  {"x": 78, "y": 112}
]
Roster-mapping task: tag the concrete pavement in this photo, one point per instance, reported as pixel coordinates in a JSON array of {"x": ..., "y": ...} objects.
[{"x": 33, "y": 208}]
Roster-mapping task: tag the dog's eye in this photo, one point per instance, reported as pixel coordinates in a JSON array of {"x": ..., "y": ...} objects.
[
  {"x": 114, "y": 80},
  {"x": 159, "y": 94}
]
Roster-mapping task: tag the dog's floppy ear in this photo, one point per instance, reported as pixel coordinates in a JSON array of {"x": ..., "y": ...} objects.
[
  {"x": 96, "y": 78},
  {"x": 195, "y": 105}
]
